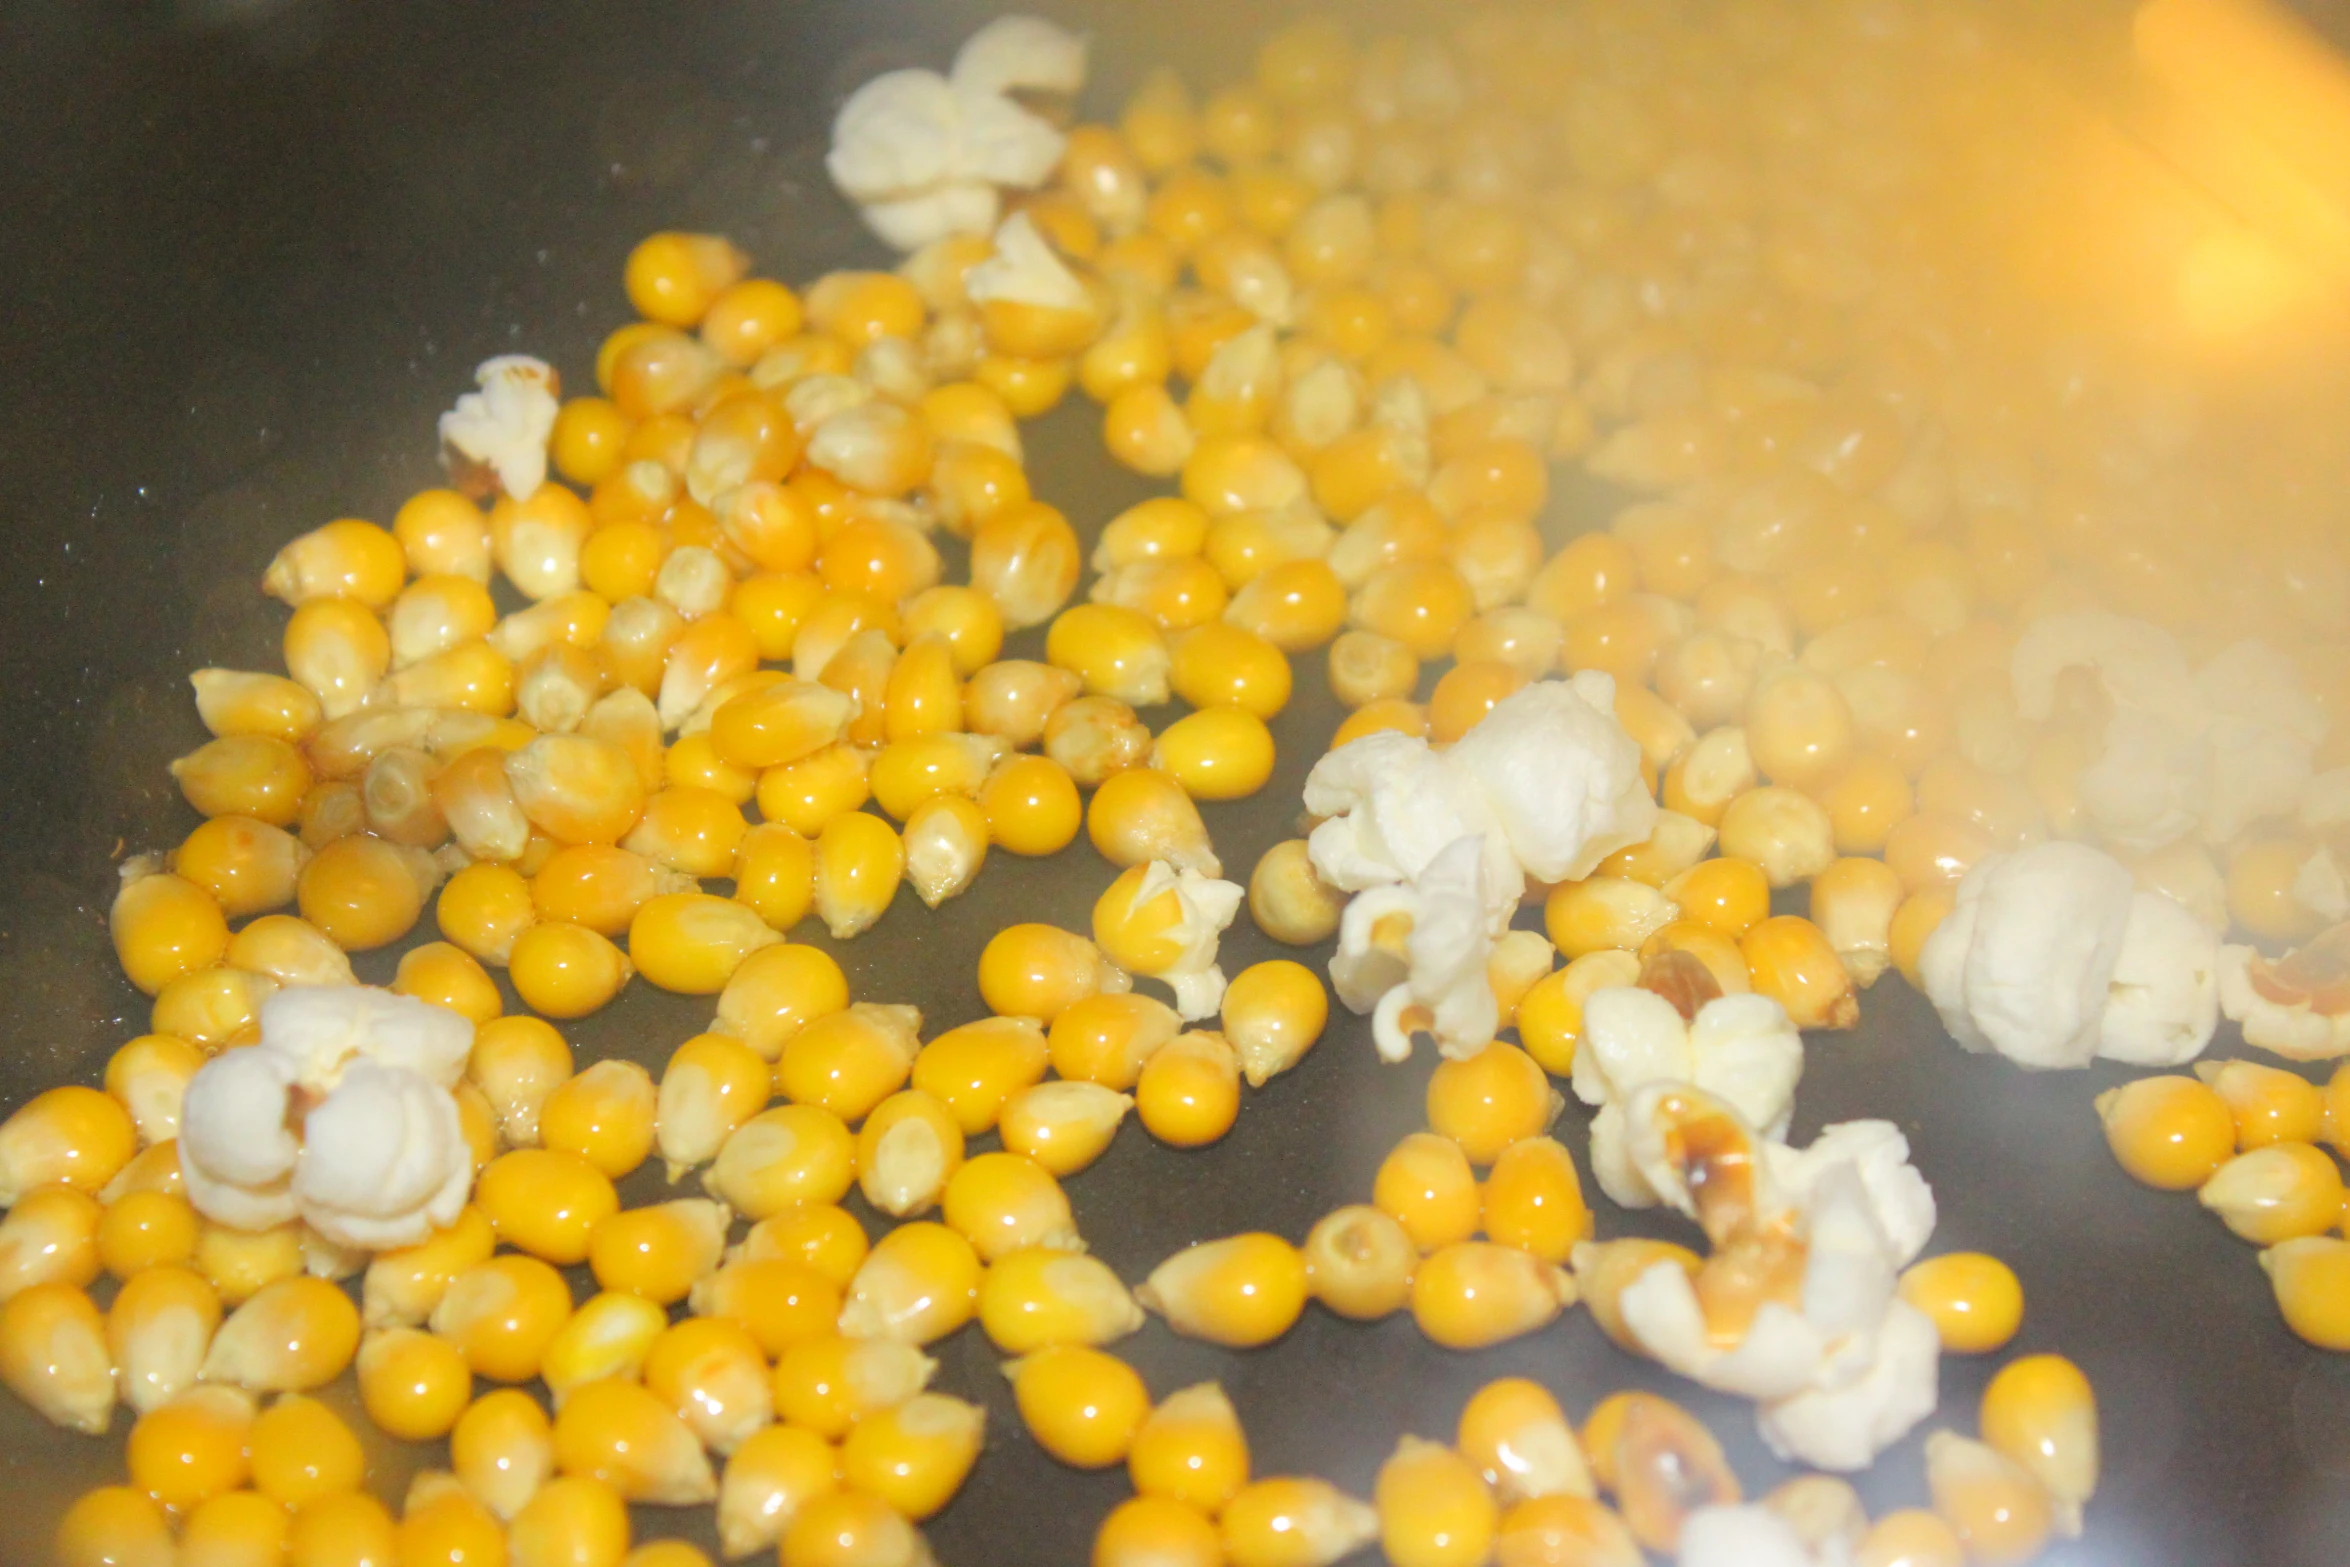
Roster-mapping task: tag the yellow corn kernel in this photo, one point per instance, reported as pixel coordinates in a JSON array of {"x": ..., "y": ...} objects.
[
  {"x": 1853, "y": 903},
  {"x": 115, "y": 1526},
  {"x": 232, "y": 702},
  {"x": 1063, "y": 1126},
  {"x": 248, "y": 866},
  {"x": 1713, "y": 774},
  {"x": 712, "y": 1372},
  {"x": 1273, "y": 1013},
  {"x": 604, "y": 1115},
  {"x": 1219, "y": 753},
  {"x": 302, "y": 1451},
  {"x": 484, "y": 909},
  {"x": 567, "y": 971},
  {"x": 349, "y": 1526},
  {"x": 768, "y": 1479},
  {"x": 851, "y": 1529},
  {"x": 826, "y": 1383},
  {"x": 975, "y": 1069},
  {"x": 1188, "y": 1093},
  {"x": 2040, "y": 1414},
  {"x": 1004, "y": 1203},
  {"x": 157, "y": 1331},
  {"x": 920, "y": 1283},
  {"x": 1486, "y": 1102},
  {"x": 1108, "y": 1038},
  {"x": 43, "y": 1242},
  {"x": 403, "y": 1286},
  {"x": 2171, "y": 1133},
  {"x": 545, "y": 1202},
  {"x": 776, "y": 992},
  {"x": 184, "y": 1452},
  {"x": 234, "y": 1529},
  {"x": 1026, "y": 563},
  {"x": 1534, "y": 1200},
  {"x": 2270, "y": 1106},
  {"x": 54, "y": 1355},
  {"x": 1426, "y": 1185},
  {"x": 1094, "y": 738},
  {"x": 1798, "y": 727},
  {"x": 859, "y": 862},
  {"x": 824, "y": 1238},
  {"x": 290, "y": 951},
  {"x": 164, "y": 927},
  {"x": 1603, "y": 912},
  {"x": 148, "y": 1077},
  {"x": 1190, "y": 1450},
  {"x": 2310, "y": 1276},
  {"x": 502, "y": 1314},
  {"x": 2277, "y": 1193},
  {"x": 517, "y": 1062},
  {"x": 240, "y": 1263},
  {"x": 711, "y": 1086},
  {"x": 1143, "y": 814},
  {"x": 907, "y": 1150},
  {"x": 292, "y": 1335},
  {"x": 1911, "y": 1537},
  {"x": 848, "y": 1061},
  {"x": 571, "y": 1519},
  {"x": 692, "y": 942},
  {"x": 1081, "y": 1405},
  {"x": 412, "y": 1384},
  {"x": 1470, "y": 1294},
  {"x": 660, "y": 1251},
  {"x": 1999, "y": 1512},
  {"x": 777, "y": 1300},
  {"x": 1116, "y": 653},
  {"x": 915, "y": 1455},
  {"x": 1435, "y": 1509},
  {"x": 211, "y": 1006},
  {"x": 1285, "y": 1522},
  {"x": 1241, "y": 1291},
  {"x": 621, "y": 1434},
  {"x": 1791, "y": 961},
  {"x": 1014, "y": 699},
  {"x": 250, "y": 775},
  {"x": 1513, "y": 1431},
  {"x": 908, "y": 773},
  {"x": 786, "y": 1157},
  {"x": 1044, "y": 1295},
  {"x": 1975, "y": 1300},
  {"x": 1288, "y": 901},
  {"x": 1552, "y": 1013},
  {"x": 1564, "y": 1531},
  {"x": 1920, "y": 915},
  {"x": 1359, "y": 1263},
  {"x": 502, "y": 1449}
]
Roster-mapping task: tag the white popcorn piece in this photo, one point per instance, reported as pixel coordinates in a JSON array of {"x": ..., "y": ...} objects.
[
  {"x": 2162, "y": 1006},
  {"x": 341, "y": 1116},
  {"x": 1208, "y": 907},
  {"x": 925, "y": 155},
  {"x": 1026, "y": 270},
  {"x": 2024, "y": 963},
  {"x": 1740, "y": 1049},
  {"x": 504, "y": 427},
  {"x": 1547, "y": 785},
  {"x": 2278, "y": 1008},
  {"x": 1846, "y": 1368},
  {"x": 1015, "y": 54}
]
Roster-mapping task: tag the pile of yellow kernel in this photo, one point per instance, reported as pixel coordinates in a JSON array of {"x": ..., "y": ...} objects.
[{"x": 1353, "y": 325}]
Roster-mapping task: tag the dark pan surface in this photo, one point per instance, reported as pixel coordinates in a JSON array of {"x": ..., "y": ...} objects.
[{"x": 246, "y": 263}]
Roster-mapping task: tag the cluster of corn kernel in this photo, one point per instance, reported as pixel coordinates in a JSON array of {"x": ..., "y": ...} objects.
[
  {"x": 2250, "y": 1141},
  {"x": 1521, "y": 1487},
  {"x": 1382, "y": 344}
]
